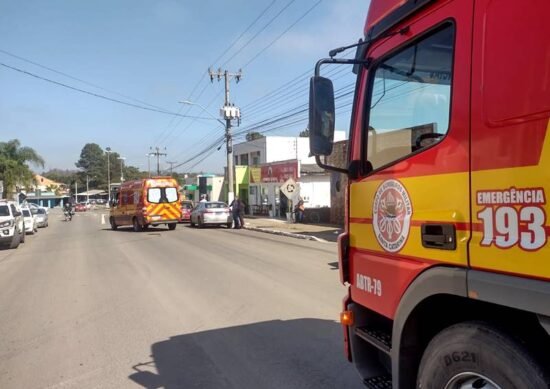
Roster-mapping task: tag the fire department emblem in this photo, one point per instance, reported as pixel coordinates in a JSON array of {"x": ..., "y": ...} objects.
[{"x": 392, "y": 211}]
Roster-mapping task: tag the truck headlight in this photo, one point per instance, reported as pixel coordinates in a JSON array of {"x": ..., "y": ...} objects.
[{"x": 9, "y": 223}]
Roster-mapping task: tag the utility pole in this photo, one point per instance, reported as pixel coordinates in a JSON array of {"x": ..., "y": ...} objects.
[
  {"x": 108, "y": 150},
  {"x": 171, "y": 165},
  {"x": 229, "y": 112},
  {"x": 157, "y": 153}
]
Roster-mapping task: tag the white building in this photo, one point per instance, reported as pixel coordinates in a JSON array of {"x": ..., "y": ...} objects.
[
  {"x": 276, "y": 148},
  {"x": 270, "y": 161}
]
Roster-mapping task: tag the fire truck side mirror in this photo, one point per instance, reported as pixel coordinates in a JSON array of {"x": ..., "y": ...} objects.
[{"x": 321, "y": 116}]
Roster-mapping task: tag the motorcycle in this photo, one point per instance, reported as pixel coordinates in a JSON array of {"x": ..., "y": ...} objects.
[{"x": 68, "y": 215}]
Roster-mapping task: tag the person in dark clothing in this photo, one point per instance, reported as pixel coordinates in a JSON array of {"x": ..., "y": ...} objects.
[
  {"x": 299, "y": 210},
  {"x": 237, "y": 212}
]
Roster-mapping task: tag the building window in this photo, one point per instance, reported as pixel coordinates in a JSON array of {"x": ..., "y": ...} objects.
[
  {"x": 244, "y": 159},
  {"x": 255, "y": 158}
]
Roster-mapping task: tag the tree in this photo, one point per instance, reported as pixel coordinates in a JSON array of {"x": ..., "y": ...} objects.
[
  {"x": 14, "y": 165},
  {"x": 93, "y": 162},
  {"x": 304, "y": 134},
  {"x": 253, "y": 136}
]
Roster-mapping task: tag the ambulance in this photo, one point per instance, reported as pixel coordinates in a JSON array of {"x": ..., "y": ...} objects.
[{"x": 146, "y": 202}]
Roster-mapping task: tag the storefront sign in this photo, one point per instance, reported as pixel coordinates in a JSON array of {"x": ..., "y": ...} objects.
[{"x": 279, "y": 171}]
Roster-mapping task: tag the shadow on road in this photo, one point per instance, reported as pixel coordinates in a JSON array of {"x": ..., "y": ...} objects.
[
  {"x": 328, "y": 235},
  {"x": 302, "y": 353}
]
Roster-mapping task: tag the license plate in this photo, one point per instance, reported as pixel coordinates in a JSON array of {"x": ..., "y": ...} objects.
[{"x": 156, "y": 217}]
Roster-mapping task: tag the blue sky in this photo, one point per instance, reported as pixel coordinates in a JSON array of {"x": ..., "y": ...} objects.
[{"x": 158, "y": 52}]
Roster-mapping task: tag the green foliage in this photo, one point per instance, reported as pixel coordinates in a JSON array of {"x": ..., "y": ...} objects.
[
  {"x": 14, "y": 165},
  {"x": 253, "y": 136}
]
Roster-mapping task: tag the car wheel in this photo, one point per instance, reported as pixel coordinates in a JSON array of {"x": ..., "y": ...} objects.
[
  {"x": 137, "y": 226},
  {"x": 191, "y": 223},
  {"x": 113, "y": 223},
  {"x": 476, "y": 355},
  {"x": 201, "y": 225},
  {"x": 229, "y": 225},
  {"x": 15, "y": 242}
]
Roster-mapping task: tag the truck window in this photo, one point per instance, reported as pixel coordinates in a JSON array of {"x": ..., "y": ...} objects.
[
  {"x": 171, "y": 194},
  {"x": 162, "y": 195},
  {"x": 153, "y": 195},
  {"x": 410, "y": 98},
  {"x": 4, "y": 210}
]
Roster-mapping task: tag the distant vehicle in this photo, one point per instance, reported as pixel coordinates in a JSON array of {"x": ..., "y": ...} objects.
[
  {"x": 211, "y": 213},
  {"x": 12, "y": 225},
  {"x": 186, "y": 208},
  {"x": 80, "y": 207},
  {"x": 41, "y": 217},
  {"x": 33, "y": 207},
  {"x": 147, "y": 202},
  {"x": 30, "y": 225}
]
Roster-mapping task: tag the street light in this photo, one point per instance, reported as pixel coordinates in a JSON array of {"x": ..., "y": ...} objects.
[
  {"x": 108, "y": 150},
  {"x": 121, "y": 171}
]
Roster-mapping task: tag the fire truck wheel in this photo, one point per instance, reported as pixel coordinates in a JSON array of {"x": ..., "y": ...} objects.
[
  {"x": 137, "y": 226},
  {"x": 172, "y": 226},
  {"x": 113, "y": 224},
  {"x": 475, "y": 355}
]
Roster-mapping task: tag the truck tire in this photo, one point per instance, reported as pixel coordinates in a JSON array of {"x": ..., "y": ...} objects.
[
  {"x": 136, "y": 225},
  {"x": 22, "y": 237},
  {"x": 476, "y": 355},
  {"x": 113, "y": 223},
  {"x": 172, "y": 226}
]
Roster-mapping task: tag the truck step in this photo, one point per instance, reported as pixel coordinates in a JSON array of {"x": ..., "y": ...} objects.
[
  {"x": 380, "y": 382},
  {"x": 378, "y": 338}
]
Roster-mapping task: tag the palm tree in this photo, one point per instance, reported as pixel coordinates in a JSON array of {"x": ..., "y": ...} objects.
[{"x": 14, "y": 168}]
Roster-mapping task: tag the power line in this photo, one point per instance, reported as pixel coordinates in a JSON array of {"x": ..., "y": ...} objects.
[
  {"x": 259, "y": 32},
  {"x": 100, "y": 96},
  {"x": 244, "y": 32},
  {"x": 163, "y": 134},
  {"x": 78, "y": 79},
  {"x": 281, "y": 35}
]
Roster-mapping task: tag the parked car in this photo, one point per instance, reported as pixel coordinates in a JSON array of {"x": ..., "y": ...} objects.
[
  {"x": 41, "y": 217},
  {"x": 211, "y": 213},
  {"x": 30, "y": 224},
  {"x": 80, "y": 207},
  {"x": 12, "y": 225},
  {"x": 186, "y": 208}
]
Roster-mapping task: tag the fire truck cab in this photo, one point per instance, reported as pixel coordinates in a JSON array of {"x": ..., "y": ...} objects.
[{"x": 445, "y": 251}]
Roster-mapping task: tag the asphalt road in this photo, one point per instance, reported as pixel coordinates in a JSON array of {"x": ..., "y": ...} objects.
[{"x": 82, "y": 306}]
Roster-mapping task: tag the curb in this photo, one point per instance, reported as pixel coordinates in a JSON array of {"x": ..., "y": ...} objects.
[{"x": 284, "y": 233}]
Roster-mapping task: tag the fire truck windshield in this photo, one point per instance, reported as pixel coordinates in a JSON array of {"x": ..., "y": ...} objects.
[{"x": 411, "y": 95}]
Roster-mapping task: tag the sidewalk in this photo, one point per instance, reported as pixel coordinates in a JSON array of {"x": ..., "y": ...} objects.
[{"x": 318, "y": 232}]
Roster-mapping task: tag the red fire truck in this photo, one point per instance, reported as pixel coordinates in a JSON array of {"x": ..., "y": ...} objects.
[{"x": 445, "y": 251}]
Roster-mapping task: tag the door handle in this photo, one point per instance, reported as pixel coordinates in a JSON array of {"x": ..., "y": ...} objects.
[{"x": 439, "y": 236}]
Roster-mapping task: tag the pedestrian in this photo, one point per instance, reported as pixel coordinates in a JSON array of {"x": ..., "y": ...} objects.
[
  {"x": 203, "y": 199},
  {"x": 299, "y": 210},
  {"x": 241, "y": 212},
  {"x": 236, "y": 210}
]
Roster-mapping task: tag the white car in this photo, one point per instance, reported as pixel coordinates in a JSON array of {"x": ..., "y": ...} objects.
[
  {"x": 30, "y": 224},
  {"x": 40, "y": 217},
  {"x": 211, "y": 213},
  {"x": 12, "y": 229}
]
